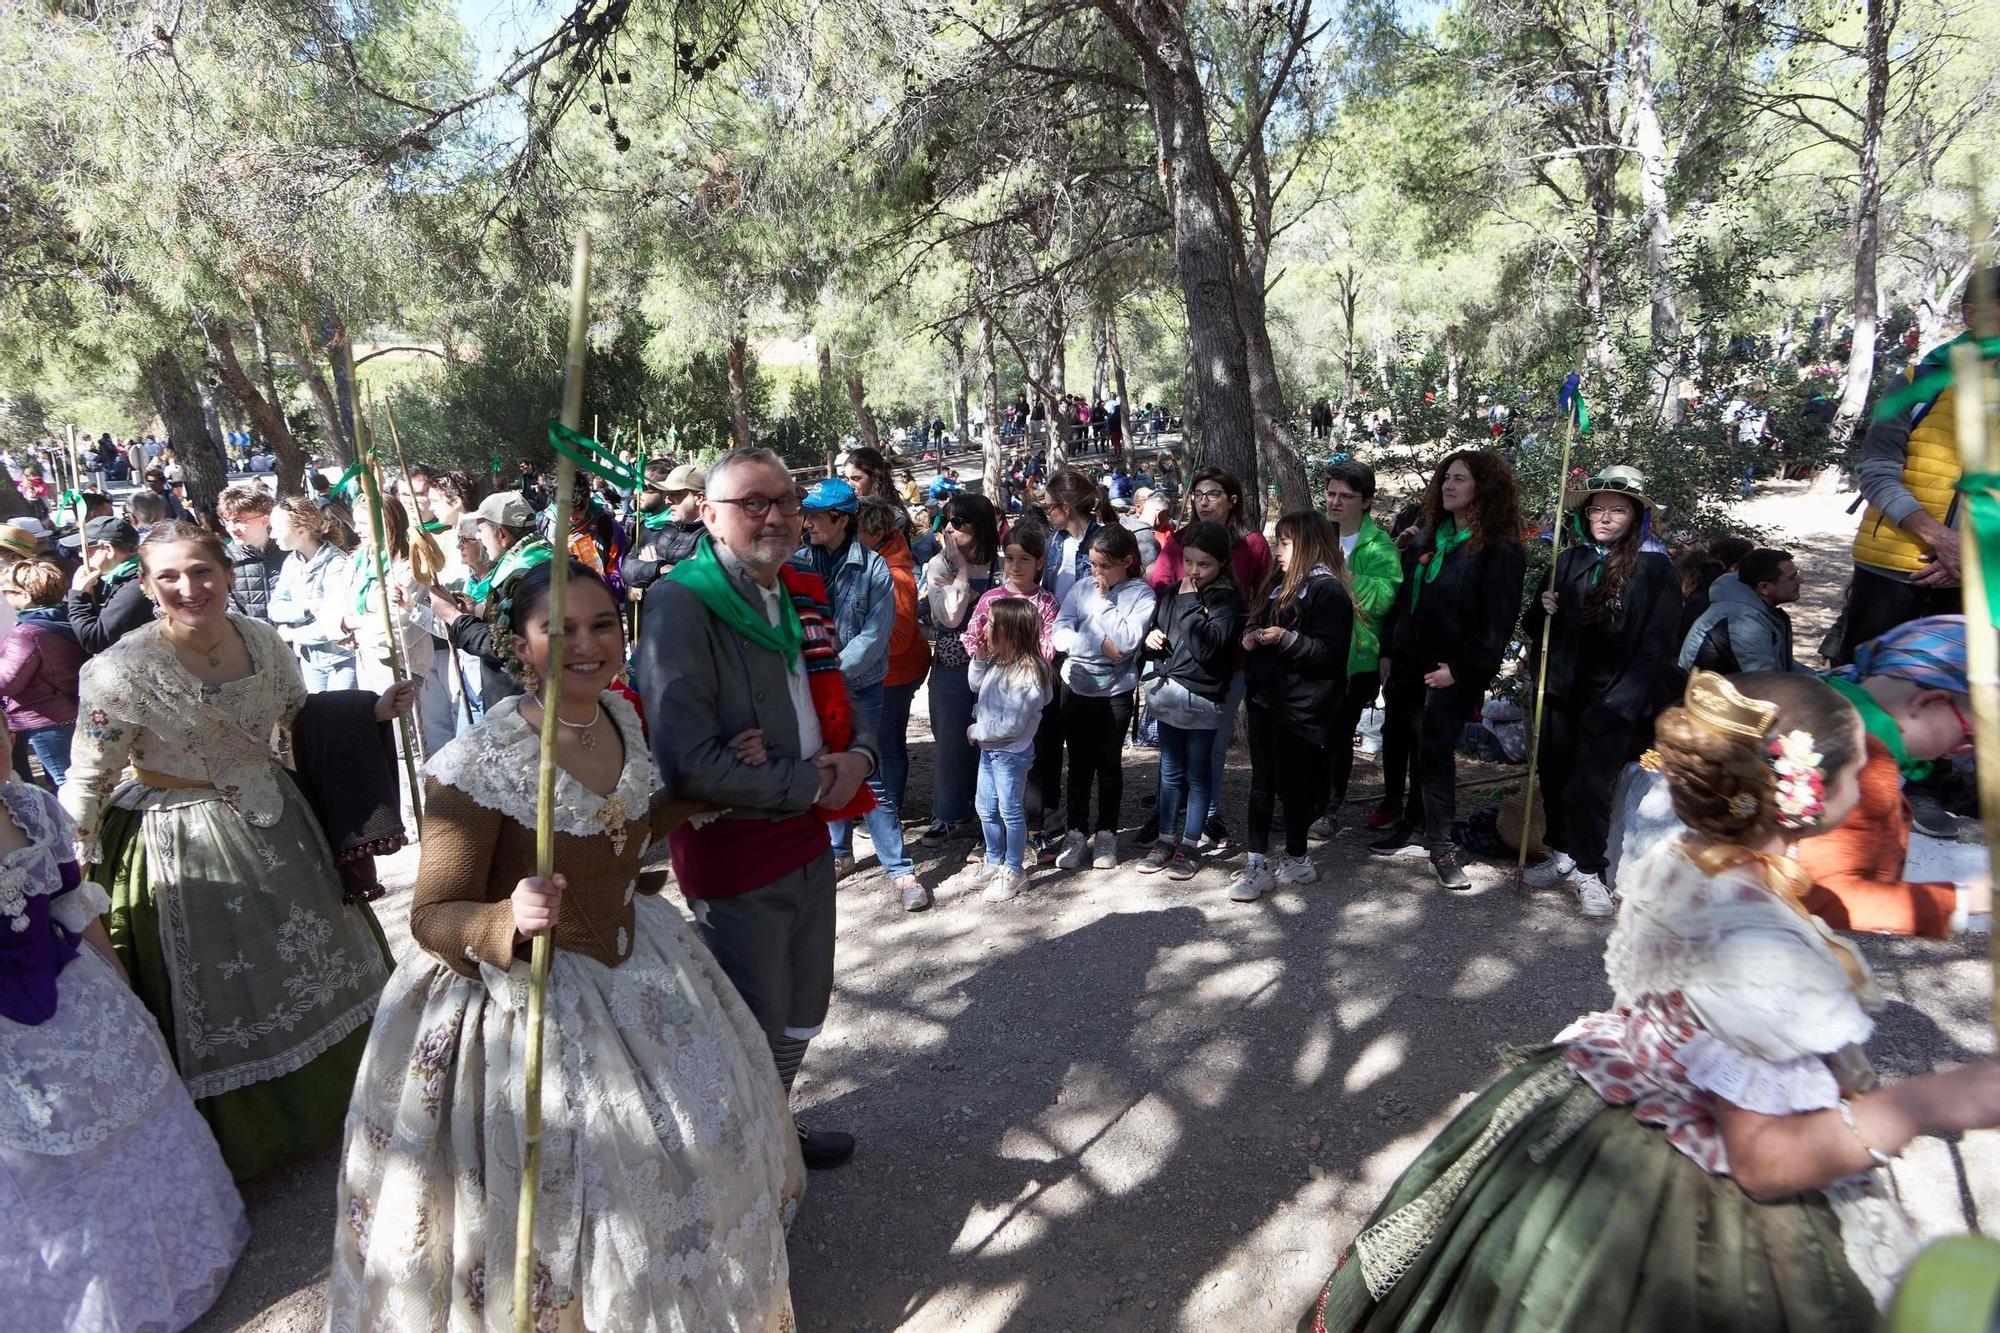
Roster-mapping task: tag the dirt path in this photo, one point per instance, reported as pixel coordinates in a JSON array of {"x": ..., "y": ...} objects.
[{"x": 1123, "y": 1103}]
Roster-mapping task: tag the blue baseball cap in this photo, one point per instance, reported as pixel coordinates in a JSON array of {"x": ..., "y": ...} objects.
[{"x": 833, "y": 494}]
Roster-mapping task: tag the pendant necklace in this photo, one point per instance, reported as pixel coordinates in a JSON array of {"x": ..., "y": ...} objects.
[
  {"x": 212, "y": 655},
  {"x": 588, "y": 738}
]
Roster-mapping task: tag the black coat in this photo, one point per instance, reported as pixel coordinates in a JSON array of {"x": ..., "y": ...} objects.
[
  {"x": 1622, "y": 658},
  {"x": 101, "y": 620},
  {"x": 658, "y": 550},
  {"x": 1301, "y": 677},
  {"x": 473, "y": 635},
  {"x": 1204, "y": 634},
  {"x": 1465, "y": 618},
  {"x": 256, "y": 575}
]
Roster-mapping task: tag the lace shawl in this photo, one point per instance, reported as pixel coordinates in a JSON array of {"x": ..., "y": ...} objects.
[
  {"x": 139, "y": 705},
  {"x": 498, "y": 764}
]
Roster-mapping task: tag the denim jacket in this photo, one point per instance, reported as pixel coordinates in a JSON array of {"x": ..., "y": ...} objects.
[{"x": 864, "y": 607}]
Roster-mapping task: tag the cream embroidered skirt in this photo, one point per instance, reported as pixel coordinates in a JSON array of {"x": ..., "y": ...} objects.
[{"x": 669, "y": 1163}]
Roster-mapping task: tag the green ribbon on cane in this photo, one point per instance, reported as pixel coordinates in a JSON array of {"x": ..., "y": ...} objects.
[
  {"x": 592, "y": 457},
  {"x": 1982, "y": 520},
  {"x": 1931, "y": 377}
]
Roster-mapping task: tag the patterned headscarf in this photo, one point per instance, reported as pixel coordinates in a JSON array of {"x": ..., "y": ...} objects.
[{"x": 1929, "y": 653}]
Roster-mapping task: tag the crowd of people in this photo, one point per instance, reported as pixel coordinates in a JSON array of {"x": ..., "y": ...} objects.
[{"x": 212, "y": 711}]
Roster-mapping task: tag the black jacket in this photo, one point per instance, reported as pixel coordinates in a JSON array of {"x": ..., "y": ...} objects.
[
  {"x": 658, "y": 550},
  {"x": 101, "y": 620},
  {"x": 475, "y": 636},
  {"x": 256, "y": 575},
  {"x": 1465, "y": 618},
  {"x": 1302, "y": 676},
  {"x": 1204, "y": 632},
  {"x": 1622, "y": 660}
]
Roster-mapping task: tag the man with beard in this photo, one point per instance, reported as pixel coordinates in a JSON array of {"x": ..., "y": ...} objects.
[{"x": 669, "y": 521}]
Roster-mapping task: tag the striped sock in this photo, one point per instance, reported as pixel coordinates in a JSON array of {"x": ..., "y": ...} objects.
[{"x": 790, "y": 1053}]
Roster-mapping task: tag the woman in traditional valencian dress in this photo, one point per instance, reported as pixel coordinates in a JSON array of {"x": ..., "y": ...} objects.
[
  {"x": 669, "y": 1164},
  {"x": 226, "y": 908},
  {"x": 116, "y": 1211},
  {"x": 1706, "y": 1154}
]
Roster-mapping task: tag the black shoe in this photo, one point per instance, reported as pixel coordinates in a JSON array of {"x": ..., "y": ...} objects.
[
  {"x": 1215, "y": 839},
  {"x": 1449, "y": 872},
  {"x": 1394, "y": 839},
  {"x": 1149, "y": 832},
  {"x": 824, "y": 1149}
]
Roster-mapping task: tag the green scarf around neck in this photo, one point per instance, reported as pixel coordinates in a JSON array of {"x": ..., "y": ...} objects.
[
  {"x": 1879, "y": 724},
  {"x": 518, "y": 557},
  {"x": 1449, "y": 538},
  {"x": 703, "y": 575},
  {"x": 654, "y": 522}
]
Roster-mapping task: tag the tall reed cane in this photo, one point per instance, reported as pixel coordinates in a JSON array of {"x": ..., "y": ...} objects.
[
  {"x": 412, "y": 733},
  {"x": 1542, "y": 659},
  {"x": 545, "y": 836},
  {"x": 422, "y": 544}
]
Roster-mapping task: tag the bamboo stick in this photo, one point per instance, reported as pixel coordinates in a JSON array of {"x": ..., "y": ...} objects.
[
  {"x": 412, "y": 733},
  {"x": 432, "y": 562},
  {"x": 1542, "y": 659},
  {"x": 538, "y": 989}
]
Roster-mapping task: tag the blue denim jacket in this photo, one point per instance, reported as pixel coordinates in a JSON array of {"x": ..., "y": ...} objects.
[{"x": 864, "y": 607}]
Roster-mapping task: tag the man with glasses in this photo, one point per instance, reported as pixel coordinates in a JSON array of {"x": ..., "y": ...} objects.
[
  {"x": 669, "y": 521},
  {"x": 739, "y": 669}
]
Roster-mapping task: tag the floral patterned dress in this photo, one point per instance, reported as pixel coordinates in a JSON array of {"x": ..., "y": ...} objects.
[
  {"x": 669, "y": 1163},
  {"x": 226, "y": 907},
  {"x": 116, "y": 1211},
  {"x": 1588, "y": 1187}
]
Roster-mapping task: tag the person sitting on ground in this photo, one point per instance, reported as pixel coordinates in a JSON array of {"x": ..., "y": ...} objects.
[
  {"x": 105, "y": 601},
  {"x": 670, "y": 522},
  {"x": 1744, "y": 628}
]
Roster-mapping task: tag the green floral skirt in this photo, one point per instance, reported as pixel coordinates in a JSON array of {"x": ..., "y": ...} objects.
[
  {"x": 330, "y": 958},
  {"x": 1540, "y": 1209}
]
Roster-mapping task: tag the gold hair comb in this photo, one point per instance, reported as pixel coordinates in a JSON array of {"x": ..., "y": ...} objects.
[{"x": 1715, "y": 703}]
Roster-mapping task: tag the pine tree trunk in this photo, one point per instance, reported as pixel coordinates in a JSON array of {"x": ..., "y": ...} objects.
[
  {"x": 1867, "y": 228},
  {"x": 1124, "y": 399},
  {"x": 1649, "y": 141},
  {"x": 992, "y": 458},
  {"x": 864, "y": 418},
  {"x": 177, "y": 399},
  {"x": 739, "y": 392},
  {"x": 1055, "y": 393},
  {"x": 266, "y": 418},
  {"x": 291, "y": 456},
  {"x": 292, "y": 337}
]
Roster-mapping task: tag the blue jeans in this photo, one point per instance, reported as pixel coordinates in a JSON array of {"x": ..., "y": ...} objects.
[
  {"x": 324, "y": 672},
  {"x": 885, "y": 823},
  {"x": 892, "y": 738},
  {"x": 51, "y": 746},
  {"x": 1186, "y": 766},
  {"x": 1002, "y": 802},
  {"x": 1232, "y": 708},
  {"x": 955, "y": 766}
]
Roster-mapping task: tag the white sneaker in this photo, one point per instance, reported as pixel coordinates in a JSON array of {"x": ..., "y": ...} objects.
[
  {"x": 1550, "y": 871},
  {"x": 1297, "y": 870},
  {"x": 1104, "y": 851},
  {"x": 1006, "y": 884},
  {"x": 1072, "y": 855},
  {"x": 968, "y": 878},
  {"x": 1591, "y": 895},
  {"x": 1250, "y": 883}
]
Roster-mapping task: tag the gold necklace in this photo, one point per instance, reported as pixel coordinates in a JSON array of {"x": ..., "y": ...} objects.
[
  {"x": 212, "y": 655},
  {"x": 588, "y": 738}
]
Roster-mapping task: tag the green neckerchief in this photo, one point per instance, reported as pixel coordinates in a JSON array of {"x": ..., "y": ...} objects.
[
  {"x": 120, "y": 573},
  {"x": 515, "y": 559},
  {"x": 364, "y": 557},
  {"x": 654, "y": 522},
  {"x": 1449, "y": 538},
  {"x": 1884, "y": 728},
  {"x": 435, "y": 525},
  {"x": 703, "y": 575}
]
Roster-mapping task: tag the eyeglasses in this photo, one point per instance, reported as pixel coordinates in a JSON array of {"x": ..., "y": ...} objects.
[
  {"x": 1604, "y": 511},
  {"x": 1964, "y": 726},
  {"x": 760, "y": 506},
  {"x": 1208, "y": 493}
]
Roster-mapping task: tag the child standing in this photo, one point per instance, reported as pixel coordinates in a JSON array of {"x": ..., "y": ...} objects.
[
  {"x": 1013, "y": 683},
  {"x": 1023, "y": 552},
  {"x": 1297, "y": 656},
  {"x": 1193, "y": 641}
]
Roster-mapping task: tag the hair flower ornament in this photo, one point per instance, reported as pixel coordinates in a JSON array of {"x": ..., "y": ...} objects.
[{"x": 1801, "y": 794}]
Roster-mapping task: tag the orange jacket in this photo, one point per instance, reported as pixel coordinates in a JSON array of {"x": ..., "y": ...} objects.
[
  {"x": 1857, "y": 869},
  {"x": 909, "y": 655}
]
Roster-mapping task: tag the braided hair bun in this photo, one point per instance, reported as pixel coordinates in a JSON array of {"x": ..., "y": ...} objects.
[{"x": 1722, "y": 783}]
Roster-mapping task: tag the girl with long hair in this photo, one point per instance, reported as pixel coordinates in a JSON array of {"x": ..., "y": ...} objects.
[
  {"x": 1447, "y": 634},
  {"x": 1616, "y": 609},
  {"x": 1301, "y": 626},
  {"x": 1023, "y": 553},
  {"x": 1098, "y": 636},
  {"x": 1216, "y": 497},
  {"x": 299, "y": 606},
  {"x": 966, "y": 566},
  {"x": 1709, "y": 1149},
  {"x": 1193, "y": 648},
  {"x": 1014, "y": 683}
]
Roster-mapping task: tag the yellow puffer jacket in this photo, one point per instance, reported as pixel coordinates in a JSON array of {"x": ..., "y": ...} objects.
[{"x": 1931, "y": 472}]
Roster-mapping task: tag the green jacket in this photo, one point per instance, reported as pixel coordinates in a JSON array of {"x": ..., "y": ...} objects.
[{"x": 1375, "y": 569}]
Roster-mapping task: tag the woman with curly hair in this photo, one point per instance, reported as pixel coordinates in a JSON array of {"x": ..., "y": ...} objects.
[
  {"x": 1708, "y": 1151},
  {"x": 1616, "y": 611},
  {"x": 1446, "y": 634}
]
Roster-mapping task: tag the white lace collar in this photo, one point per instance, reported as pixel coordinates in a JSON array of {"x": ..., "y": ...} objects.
[{"x": 498, "y": 764}]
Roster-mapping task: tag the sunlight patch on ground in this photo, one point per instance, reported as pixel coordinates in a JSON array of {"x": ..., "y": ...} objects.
[
  {"x": 1245, "y": 985},
  {"x": 1211, "y": 1074},
  {"x": 1314, "y": 1053},
  {"x": 999, "y": 1229},
  {"x": 1120, "y": 1144},
  {"x": 1487, "y": 974},
  {"x": 1378, "y": 1059},
  {"x": 1237, "y": 1290}
]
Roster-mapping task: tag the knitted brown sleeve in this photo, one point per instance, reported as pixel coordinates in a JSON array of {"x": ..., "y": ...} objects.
[
  {"x": 452, "y": 911},
  {"x": 667, "y": 814}
]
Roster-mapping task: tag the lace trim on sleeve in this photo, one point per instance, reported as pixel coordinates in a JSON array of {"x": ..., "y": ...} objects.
[
  {"x": 75, "y": 910},
  {"x": 498, "y": 764},
  {"x": 1764, "y": 1086}
]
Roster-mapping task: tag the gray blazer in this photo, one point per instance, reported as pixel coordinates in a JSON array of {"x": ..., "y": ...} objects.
[{"x": 703, "y": 684}]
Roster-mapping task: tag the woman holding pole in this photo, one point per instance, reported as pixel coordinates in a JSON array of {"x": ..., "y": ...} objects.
[
  {"x": 1615, "y": 614},
  {"x": 669, "y": 1162}
]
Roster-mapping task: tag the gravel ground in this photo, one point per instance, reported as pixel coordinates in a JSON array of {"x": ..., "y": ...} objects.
[{"x": 1124, "y": 1103}]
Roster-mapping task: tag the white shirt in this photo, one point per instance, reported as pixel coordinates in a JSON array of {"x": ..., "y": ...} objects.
[{"x": 811, "y": 742}]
